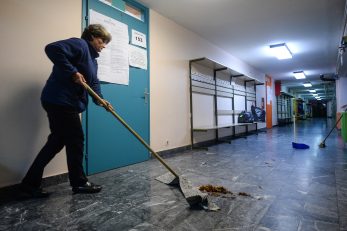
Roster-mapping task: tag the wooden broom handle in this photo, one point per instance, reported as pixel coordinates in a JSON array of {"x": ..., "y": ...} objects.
[{"x": 120, "y": 119}]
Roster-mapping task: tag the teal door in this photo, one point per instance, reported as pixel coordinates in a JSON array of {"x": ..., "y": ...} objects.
[{"x": 108, "y": 144}]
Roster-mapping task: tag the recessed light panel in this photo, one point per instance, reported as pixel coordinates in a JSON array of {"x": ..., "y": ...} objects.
[
  {"x": 299, "y": 75},
  {"x": 281, "y": 51}
]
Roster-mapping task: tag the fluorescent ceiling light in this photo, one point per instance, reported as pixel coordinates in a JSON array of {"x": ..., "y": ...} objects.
[
  {"x": 312, "y": 91},
  {"x": 281, "y": 51},
  {"x": 319, "y": 99},
  {"x": 308, "y": 84},
  {"x": 299, "y": 74},
  {"x": 315, "y": 95}
]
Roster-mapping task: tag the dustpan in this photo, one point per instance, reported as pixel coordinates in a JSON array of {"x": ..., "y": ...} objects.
[{"x": 300, "y": 145}]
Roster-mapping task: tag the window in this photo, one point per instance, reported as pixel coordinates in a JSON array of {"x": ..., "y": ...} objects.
[
  {"x": 135, "y": 12},
  {"x": 125, "y": 7}
]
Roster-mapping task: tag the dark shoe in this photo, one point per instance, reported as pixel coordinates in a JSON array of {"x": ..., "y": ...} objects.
[
  {"x": 27, "y": 192},
  {"x": 88, "y": 187}
]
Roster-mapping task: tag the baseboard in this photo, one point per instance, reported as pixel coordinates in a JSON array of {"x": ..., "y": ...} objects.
[
  {"x": 207, "y": 143},
  {"x": 174, "y": 151},
  {"x": 263, "y": 129},
  {"x": 53, "y": 180},
  {"x": 46, "y": 181},
  {"x": 62, "y": 178},
  {"x": 9, "y": 193}
]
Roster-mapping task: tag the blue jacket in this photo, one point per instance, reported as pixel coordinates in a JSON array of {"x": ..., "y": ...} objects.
[{"x": 70, "y": 56}]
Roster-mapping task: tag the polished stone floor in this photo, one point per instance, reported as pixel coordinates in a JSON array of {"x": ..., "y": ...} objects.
[{"x": 289, "y": 190}]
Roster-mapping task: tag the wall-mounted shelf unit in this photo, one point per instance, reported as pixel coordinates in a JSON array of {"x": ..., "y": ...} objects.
[
  {"x": 284, "y": 109},
  {"x": 217, "y": 96}
]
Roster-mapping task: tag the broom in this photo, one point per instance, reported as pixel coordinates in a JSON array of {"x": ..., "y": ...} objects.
[
  {"x": 322, "y": 144},
  {"x": 192, "y": 195}
]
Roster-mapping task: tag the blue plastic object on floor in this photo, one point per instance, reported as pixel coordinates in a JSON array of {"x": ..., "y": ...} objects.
[{"x": 300, "y": 146}]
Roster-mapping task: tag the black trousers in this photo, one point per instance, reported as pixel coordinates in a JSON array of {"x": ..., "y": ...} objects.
[{"x": 66, "y": 130}]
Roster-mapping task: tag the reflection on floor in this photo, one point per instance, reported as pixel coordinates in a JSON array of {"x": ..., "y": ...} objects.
[{"x": 290, "y": 190}]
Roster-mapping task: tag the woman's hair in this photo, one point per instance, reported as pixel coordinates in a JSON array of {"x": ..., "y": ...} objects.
[{"x": 96, "y": 31}]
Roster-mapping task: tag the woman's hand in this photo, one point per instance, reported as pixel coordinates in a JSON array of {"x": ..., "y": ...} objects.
[
  {"x": 107, "y": 105},
  {"x": 78, "y": 78}
]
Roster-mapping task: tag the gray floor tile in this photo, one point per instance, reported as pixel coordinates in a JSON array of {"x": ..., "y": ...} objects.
[{"x": 289, "y": 190}]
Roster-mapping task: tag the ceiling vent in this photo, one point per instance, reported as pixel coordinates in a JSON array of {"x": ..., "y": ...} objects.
[{"x": 328, "y": 77}]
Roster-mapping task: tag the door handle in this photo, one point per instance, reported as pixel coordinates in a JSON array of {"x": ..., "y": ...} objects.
[{"x": 145, "y": 96}]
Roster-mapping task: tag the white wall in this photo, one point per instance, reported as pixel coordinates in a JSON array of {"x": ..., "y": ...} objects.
[
  {"x": 26, "y": 27},
  {"x": 172, "y": 46},
  {"x": 274, "y": 104},
  {"x": 330, "y": 109},
  {"x": 260, "y": 94}
]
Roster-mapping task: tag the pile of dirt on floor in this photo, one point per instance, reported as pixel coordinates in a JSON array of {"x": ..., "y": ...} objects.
[
  {"x": 244, "y": 194},
  {"x": 220, "y": 191},
  {"x": 211, "y": 188},
  {"x": 216, "y": 190}
]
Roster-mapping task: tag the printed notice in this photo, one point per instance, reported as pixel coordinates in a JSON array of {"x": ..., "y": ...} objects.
[
  {"x": 113, "y": 62},
  {"x": 137, "y": 57},
  {"x": 138, "y": 38}
]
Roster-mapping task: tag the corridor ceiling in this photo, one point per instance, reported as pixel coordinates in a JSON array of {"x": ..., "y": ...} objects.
[{"x": 312, "y": 29}]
